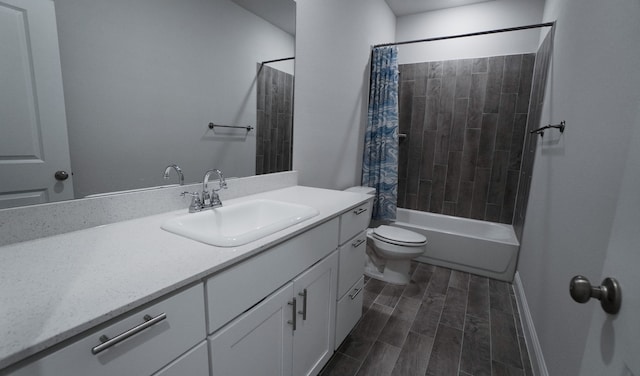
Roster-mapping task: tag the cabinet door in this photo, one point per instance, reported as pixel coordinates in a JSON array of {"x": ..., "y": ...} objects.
[
  {"x": 314, "y": 336},
  {"x": 259, "y": 342},
  {"x": 194, "y": 363}
]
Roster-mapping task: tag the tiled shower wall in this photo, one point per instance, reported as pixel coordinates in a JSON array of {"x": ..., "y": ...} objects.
[
  {"x": 274, "y": 120},
  {"x": 543, "y": 57},
  {"x": 465, "y": 122}
]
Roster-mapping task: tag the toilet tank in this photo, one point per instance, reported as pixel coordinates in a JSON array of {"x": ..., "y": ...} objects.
[{"x": 362, "y": 189}]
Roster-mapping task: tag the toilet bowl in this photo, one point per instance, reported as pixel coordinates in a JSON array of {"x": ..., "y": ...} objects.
[{"x": 390, "y": 250}]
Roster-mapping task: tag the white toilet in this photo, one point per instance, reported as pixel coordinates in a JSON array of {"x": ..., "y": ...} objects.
[{"x": 390, "y": 249}]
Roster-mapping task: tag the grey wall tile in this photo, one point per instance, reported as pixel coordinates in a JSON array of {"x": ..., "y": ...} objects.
[
  {"x": 480, "y": 65},
  {"x": 506, "y": 121},
  {"x": 477, "y": 94},
  {"x": 480, "y": 190},
  {"x": 459, "y": 124},
  {"x": 453, "y": 176},
  {"x": 494, "y": 84},
  {"x": 428, "y": 154},
  {"x": 424, "y": 195},
  {"x": 517, "y": 141},
  {"x": 498, "y": 179},
  {"x": 470, "y": 155},
  {"x": 435, "y": 69},
  {"x": 449, "y": 68},
  {"x": 492, "y": 213},
  {"x": 449, "y": 208},
  {"x": 442, "y": 138},
  {"x": 524, "y": 86},
  {"x": 487, "y": 140},
  {"x": 463, "y": 207},
  {"x": 469, "y": 124},
  {"x": 437, "y": 188},
  {"x": 511, "y": 74}
]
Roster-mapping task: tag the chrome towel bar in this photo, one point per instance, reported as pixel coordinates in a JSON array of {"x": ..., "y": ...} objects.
[{"x": 247, "y": 128}]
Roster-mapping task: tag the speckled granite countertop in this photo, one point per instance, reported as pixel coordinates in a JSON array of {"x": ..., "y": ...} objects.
[{"x": 54, "y": 288}]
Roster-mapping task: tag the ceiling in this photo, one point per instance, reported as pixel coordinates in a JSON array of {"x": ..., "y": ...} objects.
[
  {"x": 407, "y": 7},
  {"x": 282, "y": 13}
]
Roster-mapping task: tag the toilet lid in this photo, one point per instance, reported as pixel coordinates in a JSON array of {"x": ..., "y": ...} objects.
[{"x": 399, "y": 235}]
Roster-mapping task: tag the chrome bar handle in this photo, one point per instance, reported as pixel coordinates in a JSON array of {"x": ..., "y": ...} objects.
[
  {"x": 353, "y": 295},
  {"x": 304, "y": 304},
  {"x": 109, "y": 342},
  {"x": 292, "y": 322},
  {"x": 359, "y": 211},
  {"x": 357, "y": 243}
]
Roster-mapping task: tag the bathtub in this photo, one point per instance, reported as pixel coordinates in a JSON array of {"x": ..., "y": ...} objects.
[{"x": 484, "y": 248}]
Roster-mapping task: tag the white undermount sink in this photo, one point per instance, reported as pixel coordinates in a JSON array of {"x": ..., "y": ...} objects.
[{"x": 238, "y": 224}]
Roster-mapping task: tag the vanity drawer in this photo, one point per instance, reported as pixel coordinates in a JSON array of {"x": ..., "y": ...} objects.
[
  {"x": 234, "y": 290},
  {"x": 349, "y": 311},
  {"x": 351, "y": 262},
  {"x": 354, "y": 221},
  {"x": 142, "y": 353}
]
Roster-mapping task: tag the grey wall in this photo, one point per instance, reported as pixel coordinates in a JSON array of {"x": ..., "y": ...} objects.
[
  {"x": 143, "y": 79},
  {"x": 275, "y": 120},
  {"x": 333, "y": 45},
  {"x": 594, "y": 86},
  {"x": 486, "y": 15},
  {"x": 465, "y": 121}
]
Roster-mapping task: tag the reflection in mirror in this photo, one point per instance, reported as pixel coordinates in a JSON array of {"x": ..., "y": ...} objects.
[
  {"x": 142, "y": 80},
  {"x": 275, "y": 117}
]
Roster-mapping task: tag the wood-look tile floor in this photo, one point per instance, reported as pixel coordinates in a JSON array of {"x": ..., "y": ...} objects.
[{"x": 444, "y": 322}]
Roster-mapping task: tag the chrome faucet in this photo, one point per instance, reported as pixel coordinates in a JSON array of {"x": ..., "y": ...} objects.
[
  {"x": 208, "y": 200},
  {"x": 212, "y": 200},
  {"x": 178, "y": 171}
]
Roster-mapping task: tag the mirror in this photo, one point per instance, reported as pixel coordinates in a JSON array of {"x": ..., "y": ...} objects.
[{"x": 142, "y": 80}]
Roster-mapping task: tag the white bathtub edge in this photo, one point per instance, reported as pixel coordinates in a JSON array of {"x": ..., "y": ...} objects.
[{"x": 538, "y": 364}]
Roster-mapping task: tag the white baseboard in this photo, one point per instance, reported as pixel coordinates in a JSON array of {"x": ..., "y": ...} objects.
[{"x": 531, "y": 337}]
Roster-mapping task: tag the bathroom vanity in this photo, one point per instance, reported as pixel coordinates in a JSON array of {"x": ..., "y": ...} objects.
[{"x": 129, "y": 298}]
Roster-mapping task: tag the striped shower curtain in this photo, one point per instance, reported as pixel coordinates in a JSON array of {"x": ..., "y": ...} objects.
[{"x": 380, "y": 161}]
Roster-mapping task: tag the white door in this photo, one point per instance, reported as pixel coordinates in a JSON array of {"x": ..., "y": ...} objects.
[
  {"x": 613, "y": 344},
  {"x": 258, "y": 342},
  {"x": 314, "y": 337},
  {"x": 33, "y": 125}
]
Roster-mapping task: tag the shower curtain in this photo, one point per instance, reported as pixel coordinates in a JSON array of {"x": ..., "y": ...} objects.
[{"x": 380, "y": 160}]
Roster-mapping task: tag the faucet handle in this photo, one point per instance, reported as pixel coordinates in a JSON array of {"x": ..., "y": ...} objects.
[{"x": 196, "y": 203}]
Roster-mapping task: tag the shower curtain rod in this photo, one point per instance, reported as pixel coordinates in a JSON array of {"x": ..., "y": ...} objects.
[
  {"x": 276, "y": 60},
  {"x": 534, "y": 26}
]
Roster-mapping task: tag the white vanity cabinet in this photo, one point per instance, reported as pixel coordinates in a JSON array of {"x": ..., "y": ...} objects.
[
  {"x": 288, "y": 333},
  {"x": 353, "y": 244},
  {"x": 178, "y": 326},
  {"x": 274, "y": 307}
]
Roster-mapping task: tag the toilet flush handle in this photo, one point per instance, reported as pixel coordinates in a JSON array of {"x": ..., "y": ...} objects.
[
  {"x": 609, "y": 293},
  {"x": 359, "y": 211}
]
